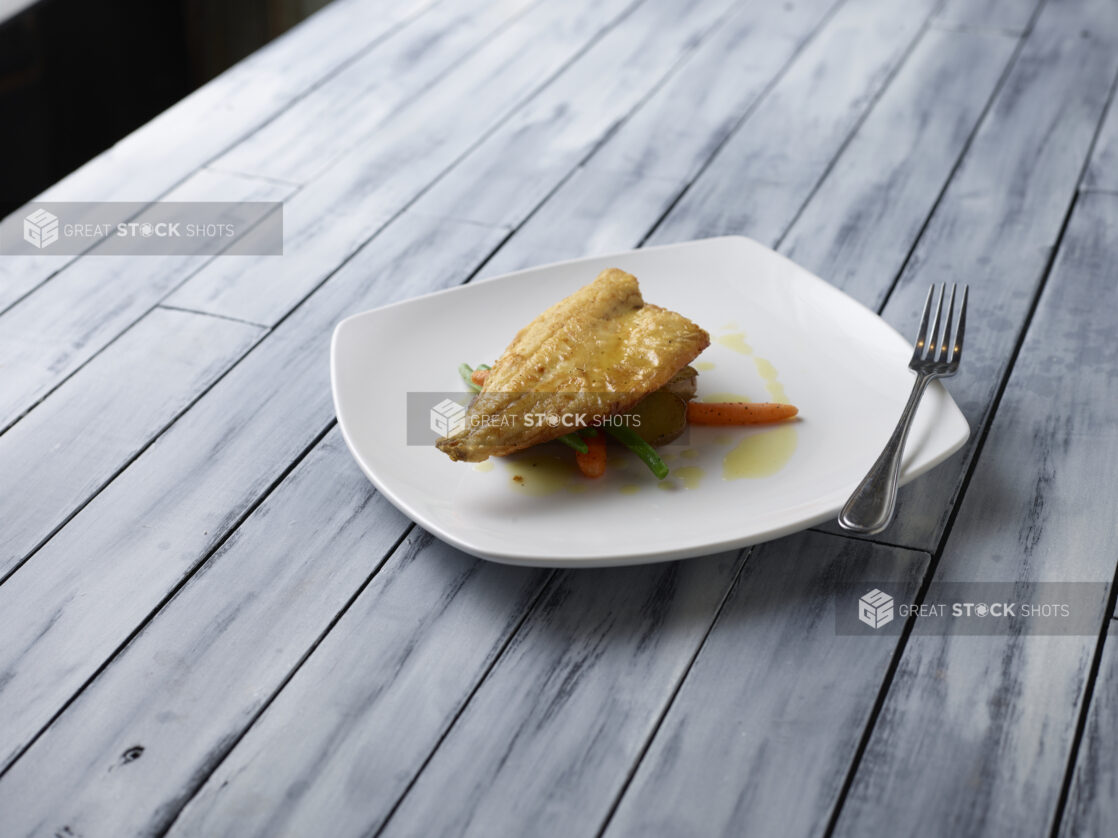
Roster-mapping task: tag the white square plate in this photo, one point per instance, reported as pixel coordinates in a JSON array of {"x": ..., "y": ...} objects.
[{"x": 774, "y": 327}]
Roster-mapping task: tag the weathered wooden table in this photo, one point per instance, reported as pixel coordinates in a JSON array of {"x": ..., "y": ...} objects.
[{"x": 212, "y": 625}]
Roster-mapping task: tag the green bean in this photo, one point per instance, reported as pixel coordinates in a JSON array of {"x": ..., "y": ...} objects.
[
  {"x": 575, "y": 442},
  {"x": 632, "y": 440},
  {"x": 464, "y": 370}
]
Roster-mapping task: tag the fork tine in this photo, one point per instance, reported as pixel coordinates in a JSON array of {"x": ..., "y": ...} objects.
[
  {"x": 922, "y": 332},
  {"x": 957, "y": 349},
  {"x": 945, "y": 335},
  {"x": 929, "y": 339}
]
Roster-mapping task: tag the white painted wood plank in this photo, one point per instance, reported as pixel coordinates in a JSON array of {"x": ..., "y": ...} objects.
[
  {"x": 363, "y": 272},
  {"x": 1102, "y": 172},
  {"x": 517, "y": 166},
  {"x": 676, "y": 131},
  {"x": 1011, "y": 16},
  {"x": 680, "y": 788},
  {"x": 999, "y": 220},
  {"x": 864, "y": 218},
  {"x": 351, "y": 763},
  {"x": 860, "y": 224},
  {"x": 1092, "y": 807},
  {"x": 160, "y": 155},
  {"x": 545, "y": 743},
  {"x": 76, "y": 440},
  {"x": 759, "y": 738},
  {"x": 188, "y": 686},
  {"x": 66, "y": 610},
  {"x": 612, "y": 200},
  {"x": 315, "y": 131},
  {"x": 333, "y": 216},
  {"x": 975, "y": 733},
  {"x": 306, "y": 806},
  {"x": 874, "y": 127},
  {"x": 574, "y": 223},
  {"x": 384, "y": 685},
  {"x": 765, "y": 172},
  {"x": 54, "y": 331}
]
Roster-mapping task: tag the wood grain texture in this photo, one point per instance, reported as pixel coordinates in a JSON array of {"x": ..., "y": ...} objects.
[
  {"x": 545, "y": 743},
  {"x": 191, "y": 680},
  {"x": 1011, "y": 16},
  {"x": 159, "y": 156},
  {"x": 676, "y": 131},
  {"x": 234, "y": 633},
  {"x": 996, "y": 226},
  {"x": 619, "y": 193},
  {"x": 372, "y": 701},
  {"x": 250, "y": 775},
  {"x": 975, "y": 732},
  {"x": 1102, "y": 172},
  {"x": 571, "y": 223},
  {"x": 341, "y": 210},
  {"x": 66, "y": 449},
  {"x": 516, "y": 167},
  {"x": 762, "y": 176},
  {"x": 306, "y": 138},
  {"x": 51, "y": 333},
  {"x": 758, "y": 740},
  {"x": 78, "y": 598},
  {"x": 1092, "y": 807},
  {"x": 862, "y": 221}
]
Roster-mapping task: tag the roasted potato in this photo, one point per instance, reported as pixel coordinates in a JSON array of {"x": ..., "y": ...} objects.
[{"x": 659, "y": 417}]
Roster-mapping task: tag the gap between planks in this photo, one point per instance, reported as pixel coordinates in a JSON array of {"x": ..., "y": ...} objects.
[
  {"x": 967, "y": 477},
  {"x": 217, "y": 546},
  {"x": 549, "y": 581},
  {"x": 230, "y": 318},
  {"x": 170, "y": 595}
]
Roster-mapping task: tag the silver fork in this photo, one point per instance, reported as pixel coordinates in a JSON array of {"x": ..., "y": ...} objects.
[{"x": 871, "y": 507}]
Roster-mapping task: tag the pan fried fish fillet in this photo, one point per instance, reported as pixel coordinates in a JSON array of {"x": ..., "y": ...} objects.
[{"x": 594, "y": 354}]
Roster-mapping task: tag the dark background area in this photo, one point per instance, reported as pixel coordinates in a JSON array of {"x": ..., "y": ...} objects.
[{"x": 77, "y": 75}]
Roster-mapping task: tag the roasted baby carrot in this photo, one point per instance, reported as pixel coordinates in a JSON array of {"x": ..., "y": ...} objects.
[
  {"x": 738, "y": 413},
  {"x": 593, "y": 462}
]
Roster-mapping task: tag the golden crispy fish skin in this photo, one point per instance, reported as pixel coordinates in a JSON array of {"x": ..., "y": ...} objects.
[{"x": 596, "y": 353}]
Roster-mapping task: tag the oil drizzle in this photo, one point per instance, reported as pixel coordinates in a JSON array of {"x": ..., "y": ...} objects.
[
  {"x": 760, "y": 454},
  {"x": 726, "y": 397},
  {"x": 772, "y": 381},
  {"x": 691, "y": 476},
  {"x": 540, "y": 473},
  {"x": 736, "y": 342}
]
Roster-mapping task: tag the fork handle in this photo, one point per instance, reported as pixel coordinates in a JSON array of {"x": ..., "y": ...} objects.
[{"x": 871, "y": 507}]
